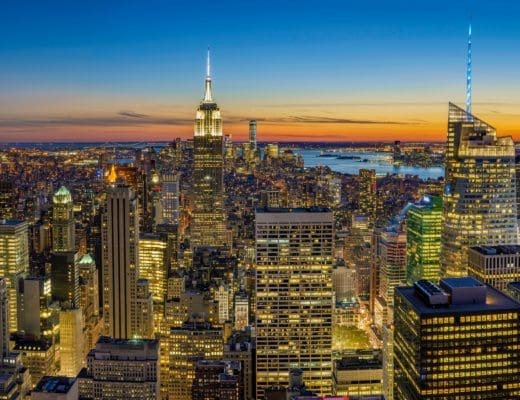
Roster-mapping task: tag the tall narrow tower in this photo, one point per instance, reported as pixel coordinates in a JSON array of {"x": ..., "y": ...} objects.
[
  {"x": 120, "y": 262},
  {"x": 208, "y": 218},
  {"x": 468, "y": 75},
  {"x": 479, "y": 202},
  {"x": 62, "y": 221}
]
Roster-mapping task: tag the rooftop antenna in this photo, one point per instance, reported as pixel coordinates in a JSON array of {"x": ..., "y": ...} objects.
[{"x": 468, "y": 74}]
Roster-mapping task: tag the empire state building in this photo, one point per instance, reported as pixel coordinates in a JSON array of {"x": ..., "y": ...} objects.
[{"x": 208, "y": 217}]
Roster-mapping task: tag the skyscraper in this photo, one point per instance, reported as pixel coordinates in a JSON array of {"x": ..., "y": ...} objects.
[
  {"x": 170, "y": 199},
  {"x": 14, "y": 256},
  {"x": 153, "y": 267},
  {"x": 120, "y": 233},
  {"x": 71, "y": 341},
  {"x": 367, "y": 193},
  {"x": 4, "y": 320},
  {"x": 294, "y": 257},
  {"x": 252, "y": 135},
  {"x": 423, "y": 240},
  {"x": 62, "y": 221},
  {"x": 479, "y": 204},
  {"x": 208, "y": 217},
  {"x": 65, "y": 278},
  {"x": 456, "y": 341}
]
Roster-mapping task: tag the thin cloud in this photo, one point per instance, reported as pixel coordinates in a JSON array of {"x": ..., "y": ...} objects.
[
  {"x": 132, "y": 114},
  {"x": 309, "y": 119},
  {"x": 117, "y": 120}
]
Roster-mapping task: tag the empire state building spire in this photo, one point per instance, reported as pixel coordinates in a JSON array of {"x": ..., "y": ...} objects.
[{"x": 208, "y": 96}]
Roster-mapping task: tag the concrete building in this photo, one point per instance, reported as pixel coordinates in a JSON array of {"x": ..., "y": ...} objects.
[
  {"x": 63, "y": 224},
  {"x": 14, "y": 252},
  {"x": 72, "y": 344},
  {"x": 193, "y": 341},
  {"x": 359, "y": 374},
  {"x": 120, "y": 234},
  {"x": 217, "y": 380},
  {"x": 121, "y": 369},
  {"x": 497, "y": 266},
  {"x": 294, "y": 257}
]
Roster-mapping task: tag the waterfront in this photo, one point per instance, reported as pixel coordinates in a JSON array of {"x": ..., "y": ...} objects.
[{"x": 381, "y": 162}]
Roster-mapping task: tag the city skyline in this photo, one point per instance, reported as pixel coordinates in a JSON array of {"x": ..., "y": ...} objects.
[{"x": 304, "y": 73}]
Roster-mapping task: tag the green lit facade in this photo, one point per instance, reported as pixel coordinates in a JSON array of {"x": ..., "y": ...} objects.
[{"x": 423, "y": 240}]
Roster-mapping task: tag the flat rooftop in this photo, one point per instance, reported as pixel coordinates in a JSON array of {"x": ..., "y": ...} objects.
[
  {"x": 10, "y": 222},
  {"x": 315, "y": 209},
  {"x": 54, "y": 384},
  {"x": 464, "y": 282},
  {"x": 497, "y": 250},
  {"x": 495, "y": 301}
]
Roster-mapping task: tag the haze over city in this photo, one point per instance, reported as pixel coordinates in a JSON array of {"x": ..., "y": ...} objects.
[{"x": 343, "y": 71}]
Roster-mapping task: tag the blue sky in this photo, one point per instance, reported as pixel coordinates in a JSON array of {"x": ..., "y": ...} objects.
[{"x": 273, "y": 59}]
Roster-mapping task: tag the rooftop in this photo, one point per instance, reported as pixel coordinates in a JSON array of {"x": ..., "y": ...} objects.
[
  {"x": 11, "y": 222},
  {"x": 494, "y": 300},
  {"x": 314, "y": 209},
  {"x": 497, "y": 250},
  {"x": 55, "y": 384}
]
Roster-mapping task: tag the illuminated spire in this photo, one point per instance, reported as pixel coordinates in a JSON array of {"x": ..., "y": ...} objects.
[
  {"x": 112, "y": 176},
  {"x": 208, "y": 97},
  {"x": 468, "y": 74}
]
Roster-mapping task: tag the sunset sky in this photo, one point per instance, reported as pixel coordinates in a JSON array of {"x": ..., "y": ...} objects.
[{"x": 306, "y": 70}]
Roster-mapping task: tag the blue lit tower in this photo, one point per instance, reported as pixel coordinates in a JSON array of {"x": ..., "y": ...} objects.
[{"x": 468, "y": 74}]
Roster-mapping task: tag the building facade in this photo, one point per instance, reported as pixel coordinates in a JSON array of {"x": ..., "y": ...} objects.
[
  {"x": 120, "y": 234},
  {"x": 63, "y": 224},
  {"x": 121, "y": 369},
  {"x": 208, "y": 217},
  {"x": 423, "y": 240},
  {"x": 458, "y": 340},
  {"x": 294, "y": 258},
  {"x": 479, "y": 203},
  {"x": 497, "y": 266},
  {"x": 14, "y": 252}
]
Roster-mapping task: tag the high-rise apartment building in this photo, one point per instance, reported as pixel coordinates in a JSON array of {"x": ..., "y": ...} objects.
[
  {"x": 153, "y": 267},
  {"x": 294, "y": 257},
  {"x": 458, "y": 340},
  {"x": 479, "y": 204},
  {"x": 170, "y": 199},
  {"x": 63, "y": 238},
  {"x": 194, "y": 340},
  {"x": 497, "y": 266},
  {"x": 217, "y": 379},
  {"x": 367, "y": 194},
  {"x": 208, "y": 217},
  {"x": 89, "y": 301},
  {"x": 423, "y": 240},
  {"x": 71, "y": 341},
  {"x": 121, "y": 368},
  {"x": 39, "y": 315},
  {"x": 14, "y": 253},
  {"x": 120, "y": 234},
  {"x": 392, "y": 271}
]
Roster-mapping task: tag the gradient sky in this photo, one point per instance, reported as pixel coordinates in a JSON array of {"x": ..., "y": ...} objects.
[{"x": 306, "y": 70}]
